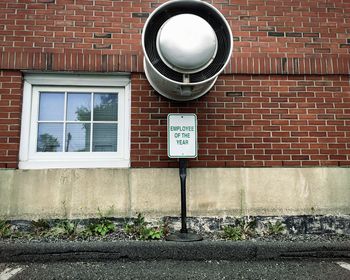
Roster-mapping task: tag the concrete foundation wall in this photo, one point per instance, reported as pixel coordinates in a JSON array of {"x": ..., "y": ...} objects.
[{"x": 80, "y": 193}]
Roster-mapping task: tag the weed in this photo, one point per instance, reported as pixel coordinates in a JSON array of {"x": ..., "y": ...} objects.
[
  {"x": 232, "y": 233},
  {"x": 151, "y": 233},
  {"x": 139, "y": 229},
  {"x": 276, "y": 228},
  {"x": 242, "y": 230},
  {"x": 40, "y": 227},
  {"x": 64, "y": 228},
  {"x": 102, "y": 227},
  {"x": 5, "y": 229},
  {"x": 165, "y": 227}
]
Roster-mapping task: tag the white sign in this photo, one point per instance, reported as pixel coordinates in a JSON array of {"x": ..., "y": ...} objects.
[{"x": 182, "y": 135}]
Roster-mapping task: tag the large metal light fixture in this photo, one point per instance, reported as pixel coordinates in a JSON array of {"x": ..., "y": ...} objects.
[{"x": 186, "y": 45}]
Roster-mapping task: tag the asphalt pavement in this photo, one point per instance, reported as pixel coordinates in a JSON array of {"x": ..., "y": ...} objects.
[
  {"x": 167, "y": 250},
  {"x": 175, "y": 269},
  {"x": 175, "y": 260}
]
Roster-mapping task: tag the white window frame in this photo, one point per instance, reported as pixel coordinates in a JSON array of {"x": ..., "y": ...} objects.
[{"x": 29, "y": 158}]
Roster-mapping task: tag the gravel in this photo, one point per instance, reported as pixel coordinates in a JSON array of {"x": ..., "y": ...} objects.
[
  {"x": 121, "y": 235},
  {"x": 320, "y": 229}
]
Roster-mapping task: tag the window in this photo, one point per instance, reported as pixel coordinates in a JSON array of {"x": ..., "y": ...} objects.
[{"x": 75, "y": 121}]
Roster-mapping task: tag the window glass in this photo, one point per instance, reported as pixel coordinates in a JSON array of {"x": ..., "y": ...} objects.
[
  {"x": 105, "y": 137},
  {"x": 78, "y": 137},
  {"x": 51, "y": 107},
  {"x": 50, "y": 137},
  {"x": 79, "y": 107},
  {"x": 105, "y": 107}
]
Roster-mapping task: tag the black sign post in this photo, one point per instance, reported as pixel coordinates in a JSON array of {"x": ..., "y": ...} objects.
[
  {"x": 182, "y": 144},
  {"x": 183, "y": 174},
  {"x": 184, "y": 235}
]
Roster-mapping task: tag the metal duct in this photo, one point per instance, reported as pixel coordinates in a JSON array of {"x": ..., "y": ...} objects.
[{"x": 186, "y": 45}]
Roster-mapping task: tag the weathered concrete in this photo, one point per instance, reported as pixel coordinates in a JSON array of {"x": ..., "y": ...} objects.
[
  {"x": 79, "y": 193},
  {"x": 296, "y": 191},
  {"x": 154, "y": 191},
  {"x": 217, "y": 191},
  {"x": 68, "y": 193}
]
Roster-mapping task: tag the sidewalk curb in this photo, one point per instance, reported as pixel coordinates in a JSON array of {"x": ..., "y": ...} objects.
[{"x": 196, "y": 251}]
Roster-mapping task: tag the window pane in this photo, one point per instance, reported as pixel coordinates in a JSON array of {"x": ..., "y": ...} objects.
[
  {"x": 78, "y": 137},
  {"x": 105, "y": 107},
  {"x": 51, "y": 106},
  {"x": 105, "y": 138},
  {"x": 79, "y": 107},
  {"x": 50, "y": 137}
]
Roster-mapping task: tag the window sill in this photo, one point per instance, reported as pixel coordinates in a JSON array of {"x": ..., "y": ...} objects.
[{"x": 52, "y": 164}]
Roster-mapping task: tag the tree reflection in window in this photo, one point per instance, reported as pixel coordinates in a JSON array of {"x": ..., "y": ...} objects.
[
  {"x": 105, "y": 107},
  {"x": 105, "y": 133},
  {"x": 47, "y": 143}
]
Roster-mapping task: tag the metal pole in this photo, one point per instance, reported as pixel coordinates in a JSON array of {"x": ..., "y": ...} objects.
[
  {"x": 183, "y": 235},
  {"x": 182, "y": 171}
]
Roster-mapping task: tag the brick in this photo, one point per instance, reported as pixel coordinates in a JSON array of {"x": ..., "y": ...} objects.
[
  {"x": 102, "y": 35},
  {"x": 102, "y": 46},
  {"x": 45, "y": 1},
  {"x": 311, "y": 34},
  {"x": 293, "y": 34},
  {"x": 234, "y": 94},
  {"x": 140, "y": 15}
]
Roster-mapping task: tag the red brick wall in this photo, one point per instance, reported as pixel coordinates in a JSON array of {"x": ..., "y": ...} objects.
[
  {"x": 251, "y": 120},
  {"x": 10, "y": 117},
  {"x": 275, "y": 36},
  {"x": 283, "y": 100}
]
